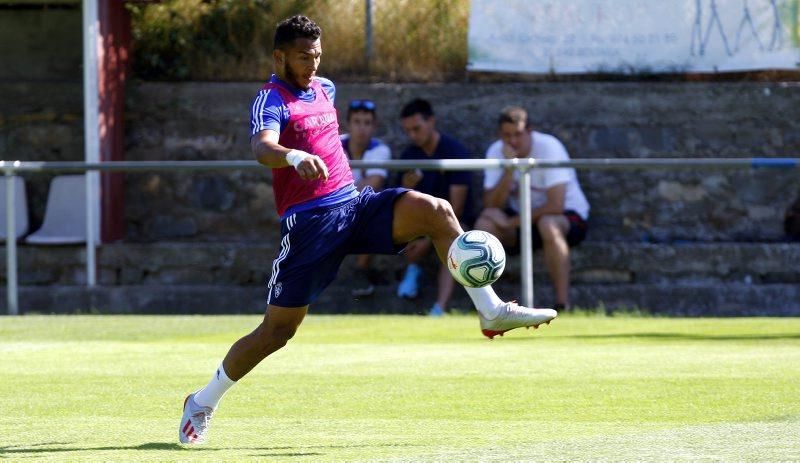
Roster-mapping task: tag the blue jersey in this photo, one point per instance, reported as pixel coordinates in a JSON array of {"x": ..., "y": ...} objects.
[{"x": 269, "y": 112}]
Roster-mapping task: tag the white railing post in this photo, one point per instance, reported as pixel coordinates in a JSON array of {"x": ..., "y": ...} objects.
[
  {"x": 11, "y": 244},
  {"x": 91, "y": 201},
  {"x": 91, "y": 130},
  {"x": 525, "y": 230}
]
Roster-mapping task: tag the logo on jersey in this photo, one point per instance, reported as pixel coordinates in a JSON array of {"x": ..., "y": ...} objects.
[{"x": 315, "y": 121}]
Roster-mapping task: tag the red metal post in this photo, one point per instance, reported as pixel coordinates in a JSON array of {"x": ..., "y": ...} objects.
[{"x": 115, "y": 36}]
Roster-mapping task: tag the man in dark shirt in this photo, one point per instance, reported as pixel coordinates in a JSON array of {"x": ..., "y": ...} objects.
[{"x": 419, "y": 124}]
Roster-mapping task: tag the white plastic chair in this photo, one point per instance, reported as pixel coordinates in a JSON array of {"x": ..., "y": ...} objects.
[
  {"x": 20, "y": 207},
  {"x": 65, "y": 213}
]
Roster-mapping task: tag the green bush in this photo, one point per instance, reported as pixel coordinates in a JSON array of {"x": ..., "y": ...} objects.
[{"x": 232, "y": 39}]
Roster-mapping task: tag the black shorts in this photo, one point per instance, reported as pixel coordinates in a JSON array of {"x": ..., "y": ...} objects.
[{"x": 575, "y": 234}]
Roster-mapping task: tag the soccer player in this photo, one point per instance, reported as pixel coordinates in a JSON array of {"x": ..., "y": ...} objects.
[{"x": 324, "y": 217}]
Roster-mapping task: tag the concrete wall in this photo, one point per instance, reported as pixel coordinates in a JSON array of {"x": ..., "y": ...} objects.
[{"x": 43, "y": 121}]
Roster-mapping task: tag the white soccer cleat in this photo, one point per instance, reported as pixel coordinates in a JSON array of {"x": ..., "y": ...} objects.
[
  {"x": 512, "y": 315},
  {"x": 195, "y": 421}
]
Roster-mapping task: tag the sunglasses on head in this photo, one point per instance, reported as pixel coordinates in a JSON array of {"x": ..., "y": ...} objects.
[{"x": 367, "y": 105}]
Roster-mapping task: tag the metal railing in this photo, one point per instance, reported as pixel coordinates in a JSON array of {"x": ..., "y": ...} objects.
[{"x": 13, "y": 168}]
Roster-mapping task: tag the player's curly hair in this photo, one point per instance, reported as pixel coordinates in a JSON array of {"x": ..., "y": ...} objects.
[{"x": 296, "y": 27}]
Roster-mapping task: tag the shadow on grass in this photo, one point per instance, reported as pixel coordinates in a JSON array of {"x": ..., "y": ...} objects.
[
  {"x": 297, "y": 451},
  {"x": 37, "y": 448}
]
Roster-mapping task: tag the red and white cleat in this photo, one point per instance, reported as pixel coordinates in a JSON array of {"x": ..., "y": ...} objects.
[
  {"x": 512, "y": 315},
  {"x": 195, "y": 421}
]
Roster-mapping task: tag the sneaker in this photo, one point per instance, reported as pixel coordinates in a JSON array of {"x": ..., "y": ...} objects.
[
  {"x": 513, "y": 315},
  {"x": 363, "y": 285},
  {"x": 195, "y": 421},
  {"x": 409, "y": 287},
  {"x": 436, "y": 310}
]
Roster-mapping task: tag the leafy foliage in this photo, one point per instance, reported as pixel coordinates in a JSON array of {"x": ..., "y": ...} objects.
[{"x": 232, "y": 39}]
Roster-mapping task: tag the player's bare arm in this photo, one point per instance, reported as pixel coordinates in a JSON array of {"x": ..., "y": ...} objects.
[
  {"x": 497, "y": 196},
  {"x": 269, "y": 152},
  {"x": 554, "y": 204},
  {"x": 411, "y": 178}
]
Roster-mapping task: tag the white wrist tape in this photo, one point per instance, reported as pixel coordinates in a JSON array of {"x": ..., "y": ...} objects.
[{"x": 295, "y": 157}]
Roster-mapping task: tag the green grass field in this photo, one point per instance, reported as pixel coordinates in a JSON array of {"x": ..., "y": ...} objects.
[{"x": 366, "y": 388}]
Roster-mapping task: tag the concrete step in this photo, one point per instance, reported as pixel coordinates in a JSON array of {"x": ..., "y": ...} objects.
[
  {"x": 239, "y": 263},
  {"x": 224, "y": 277},
  {"x": 731, "y": 299}
]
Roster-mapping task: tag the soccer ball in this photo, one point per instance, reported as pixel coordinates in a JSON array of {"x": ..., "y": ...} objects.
[{"x": 476, "y": 258}]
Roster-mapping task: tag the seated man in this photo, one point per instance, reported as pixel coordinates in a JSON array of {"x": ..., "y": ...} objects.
[
  {"x": 419, "y": 124},
  {"x": 559, "y": 207},
  {"x": 359, "y": 144}
]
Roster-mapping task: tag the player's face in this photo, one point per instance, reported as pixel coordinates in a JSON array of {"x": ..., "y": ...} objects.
[
  {"x": 517, "y": 136},
  {"x": 298, "y": 64},
  {"x": 419, "y": 129},
  {"x": 361, "y": 125}
]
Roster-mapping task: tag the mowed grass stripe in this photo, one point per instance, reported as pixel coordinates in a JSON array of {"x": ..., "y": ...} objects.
[{"x": 363, "y": 388}]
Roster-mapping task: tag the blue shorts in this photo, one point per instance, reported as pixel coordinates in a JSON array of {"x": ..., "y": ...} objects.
[{"x": 314, "y": 243}]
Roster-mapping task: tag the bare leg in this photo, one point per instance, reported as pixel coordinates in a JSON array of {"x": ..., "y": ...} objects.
[
  {"x": 363, "y": 261},
  {"x": 553, "y": 229},
  {"x": 417, "y": 249},
  {"x": 445, "y": 288},
  {"x": 417, "y": 214},
  {"x": 278, "y": 326}
]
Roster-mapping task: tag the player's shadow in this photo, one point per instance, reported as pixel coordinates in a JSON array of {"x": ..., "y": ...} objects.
[
  {"x": 11, "y": 450},
  {"x": 37, "y": 448}
]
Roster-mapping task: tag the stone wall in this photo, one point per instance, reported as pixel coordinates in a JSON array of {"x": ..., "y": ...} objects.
[
  {"x": 594, "y": 120},
  {"x": 686, "y": 279},
  {"x": 41, "y": 97},
  {"x": 671, "y": 241},
  {"x": 191, "y": 121}
]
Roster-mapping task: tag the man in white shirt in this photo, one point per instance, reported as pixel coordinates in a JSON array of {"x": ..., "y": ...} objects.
[{"x": 559, "y": 209}]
